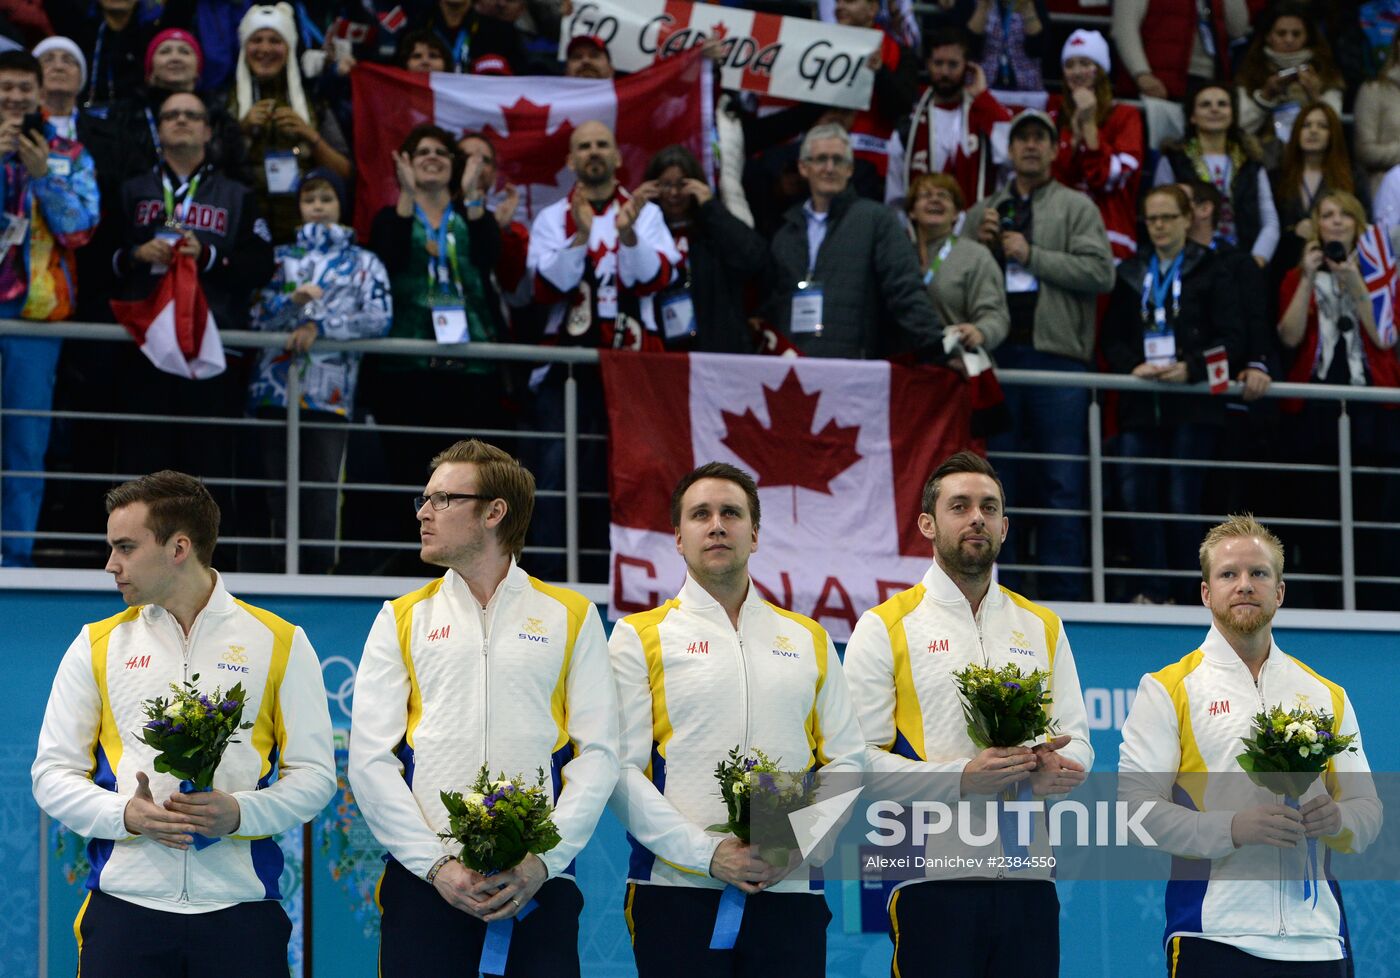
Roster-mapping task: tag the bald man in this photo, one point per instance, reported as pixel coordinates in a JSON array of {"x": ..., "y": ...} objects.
[{"x": 593, "y": 256}]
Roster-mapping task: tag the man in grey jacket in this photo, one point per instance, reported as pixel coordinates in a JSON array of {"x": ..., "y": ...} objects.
[
  {"x": 846, "y": 280},
  {"x": 1051, "y": 244}
]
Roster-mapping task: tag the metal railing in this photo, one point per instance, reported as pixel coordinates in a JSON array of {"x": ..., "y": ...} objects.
[{"x": 1096, "y": 459}]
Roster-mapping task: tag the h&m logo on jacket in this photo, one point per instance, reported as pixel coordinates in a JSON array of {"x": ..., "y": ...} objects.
[
  {"x": 197, "y": 216},
  {"x": 534, "y": 631}
]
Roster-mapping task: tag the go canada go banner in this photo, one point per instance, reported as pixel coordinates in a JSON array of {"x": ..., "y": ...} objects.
[
  {"x": 789, "y": 57},
  {"x": 840, "y": 450}
]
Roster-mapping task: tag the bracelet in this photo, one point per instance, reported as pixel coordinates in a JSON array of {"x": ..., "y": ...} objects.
[{"x": 437, "y": 866}]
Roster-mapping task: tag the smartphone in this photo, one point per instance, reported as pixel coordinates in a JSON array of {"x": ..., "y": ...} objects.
[
  {"x": 1288, "y": 72},
  {"x": 32, "y": 122}
]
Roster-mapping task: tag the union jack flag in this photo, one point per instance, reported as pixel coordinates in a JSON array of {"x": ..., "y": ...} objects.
[{"x": 1377, "y": 260}]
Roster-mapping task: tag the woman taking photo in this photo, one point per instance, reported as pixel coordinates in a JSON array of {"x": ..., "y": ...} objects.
[
  {"x": 704, "y": 309},
  {"x": 1216, "y": 150},
  {"x": 1170, "y": 305},
  {"x": 1330, "y": 331},
  {"x": 963, "y": 280},
  {"x": 1288, "y": 65},
  {"x": 286, "y": 137}
]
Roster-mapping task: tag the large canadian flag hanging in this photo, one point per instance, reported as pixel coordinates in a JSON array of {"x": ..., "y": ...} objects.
[
  {"x": 529, "y": 119},
  {"x": 173, "y": 325},
  {"x": 840, "y": 451}
]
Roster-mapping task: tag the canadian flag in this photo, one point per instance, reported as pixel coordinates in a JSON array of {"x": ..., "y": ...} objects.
[
  {"x": 1217, "y": 369},
  {"x": 840, "y": 450},
  {"x": 173, "y": 325},
  {"x": 530, "y": 120}
]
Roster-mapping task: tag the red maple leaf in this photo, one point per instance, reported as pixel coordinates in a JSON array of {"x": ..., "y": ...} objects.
[
  {"x": 788, "y": 452},
  {"x": 526, "y": 152}
]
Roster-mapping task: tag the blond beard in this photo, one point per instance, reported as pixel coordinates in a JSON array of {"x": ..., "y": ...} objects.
[{"x": 1254, "y": 626}]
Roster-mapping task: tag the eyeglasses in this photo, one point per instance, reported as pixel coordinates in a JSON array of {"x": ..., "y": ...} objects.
[
  {"x": 829, "y": 159},
  {"x": 441, "y": 500},
  {"x": 194, "y": 115},
  {"x": 1161, "y": 218},
  {"x": 423, "y": 151}
]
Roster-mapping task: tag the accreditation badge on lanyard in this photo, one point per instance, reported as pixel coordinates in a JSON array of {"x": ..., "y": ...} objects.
[
  {"x": 1159, "y": 339},
  {"x": 806, "y": 319},
  {"x": 448, "y": 311},
  {"x": 280, "y": 168}
]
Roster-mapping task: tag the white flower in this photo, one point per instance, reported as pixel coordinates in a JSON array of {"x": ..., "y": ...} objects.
[
  {"x": 498, "y": 785},
  {"x": 1304, "y": 729},
  {"x": 173, "y": 710},
  {"x": 475, "y": 800},
  {"x": 1304, "y": 751},
  {"x": 741, "y": 786}
]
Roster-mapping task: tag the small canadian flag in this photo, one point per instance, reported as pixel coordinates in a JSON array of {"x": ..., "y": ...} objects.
[{"x": 1218, "y": 369}]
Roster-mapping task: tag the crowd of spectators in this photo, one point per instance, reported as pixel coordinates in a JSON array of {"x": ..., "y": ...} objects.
[{"x": 1055, "y": 197}]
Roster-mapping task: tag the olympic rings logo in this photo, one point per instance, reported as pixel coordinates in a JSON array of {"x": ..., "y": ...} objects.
[{"x": 339, "y": 692}]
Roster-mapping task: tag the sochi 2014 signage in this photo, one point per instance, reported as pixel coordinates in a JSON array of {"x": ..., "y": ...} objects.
[{"x": 805, "y": 60}]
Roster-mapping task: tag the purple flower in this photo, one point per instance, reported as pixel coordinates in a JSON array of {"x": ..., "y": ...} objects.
[
  {"x": 750, "y": 764},
  {"x": 203, "y": 699},
  {"x": 178, "y": 728},
  {"x": 154, "y": 725},
  {"x": 228, "y": 706},
  {"x": 1324, "y": 735},
  {"x": 1010, "y": 685}
]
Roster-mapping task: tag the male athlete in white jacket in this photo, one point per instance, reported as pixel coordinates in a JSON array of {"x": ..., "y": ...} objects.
[
  {"x": 156, "y": 905},
  {"x": 1243, "y": 914}
]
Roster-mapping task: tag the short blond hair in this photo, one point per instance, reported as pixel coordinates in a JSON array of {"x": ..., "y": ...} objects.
[
  {"x": 1241, "y": 525},
  {"x": 498, "y": 476}
]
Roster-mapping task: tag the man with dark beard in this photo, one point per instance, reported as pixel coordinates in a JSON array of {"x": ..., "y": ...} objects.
[
  {"x": 1245, "y": 913},
  {"x": 900, "y": 664}
]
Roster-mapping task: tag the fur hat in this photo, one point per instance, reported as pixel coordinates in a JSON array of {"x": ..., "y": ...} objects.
[
  {"x": 64, "y": 44},
  {"x": 281, "y": 18}
]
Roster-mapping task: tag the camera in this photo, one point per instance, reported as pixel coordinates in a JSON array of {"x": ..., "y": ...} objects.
[
  {"x": 1012, "y": 217},
  {"x": 1346, "y": 324},
  {"x": 1335, "y": 252}
]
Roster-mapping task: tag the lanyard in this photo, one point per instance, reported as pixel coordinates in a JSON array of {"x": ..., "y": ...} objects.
[
  {"x": 96, "y": 60},
  {"x": 186, "y": 192},
  {"x": 17, "y": 187},
  {"x": 937, "y": 262},
  {"x": 1004, "y": 55},
  {"x": 155, "y": 132},
  {"x": 311, "y": 37},
  {"x": 442, "y": 267},
  {"x": 1155, "y": 287}
]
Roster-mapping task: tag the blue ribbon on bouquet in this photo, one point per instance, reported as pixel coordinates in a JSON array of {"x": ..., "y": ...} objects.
[
  {"x": 1310, "y": 879},
  {"x": 728, "y": 918},
  {"x": 1006, "y": 825},
  {"x": 200, "y": 841},
  {"x": 496, "y": 947}
]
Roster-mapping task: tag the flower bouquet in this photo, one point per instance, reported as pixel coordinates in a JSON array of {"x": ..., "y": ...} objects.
[
  {"x": 497, "y": 824},
  {"x": 1286, "y": 753},
  {"x": 190, "y": 731},
  {"x": 1289, "y": 749},
  {"x": 752, "y": 784},
  {"x": 1004, "y": 707}
]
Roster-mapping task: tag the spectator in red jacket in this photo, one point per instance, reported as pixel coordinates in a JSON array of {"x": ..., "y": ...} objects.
[
  {"x": 1100, "y": 141},
  {"x": 896, "y": 86},
  {"x": 951, "y": 129}
]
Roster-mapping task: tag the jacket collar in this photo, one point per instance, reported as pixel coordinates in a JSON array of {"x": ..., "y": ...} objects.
[
  {"x": 797, "y": 214},
  {"x": 515, "y": 580},
  {"x": 1219, "y": 651},
  {"x": 220, "y": 602},
  {"x": 695, "y": 598},
  {"x": 940, "y": 587}
]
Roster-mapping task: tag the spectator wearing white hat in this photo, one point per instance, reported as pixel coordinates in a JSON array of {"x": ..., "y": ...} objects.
[
  {"x": 63, "y": 73},
  {"x": 286, "y": 135},
  {"x": 1101, "y": 144}
]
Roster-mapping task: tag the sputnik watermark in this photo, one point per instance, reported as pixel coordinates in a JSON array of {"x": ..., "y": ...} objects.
[{"x": 1112, "y": 823}]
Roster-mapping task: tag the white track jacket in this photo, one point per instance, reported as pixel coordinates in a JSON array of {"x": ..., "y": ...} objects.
[
  {"x": 85, "y": 771},
  {"x": 900, "y": 662},
  {"x": 691, "y": 688},
  {"x": 445, "y": 686},
  {"x": 1183, "y": 733}
]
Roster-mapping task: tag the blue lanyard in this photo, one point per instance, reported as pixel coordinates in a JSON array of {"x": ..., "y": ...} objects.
[
  {"x": 1157, "y": 286},
  {"x": 440, "y": 266},
  {"x": 155, "y": 133},
  {"x": 96, "y": 60},
  {"x": 311, "y": 37}
]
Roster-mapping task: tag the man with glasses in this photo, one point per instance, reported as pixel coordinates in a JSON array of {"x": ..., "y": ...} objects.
[
  {"x": 846, "y": 279},
  {"x": 484, "y": 666},
  {"x": 186, "y": 207}
]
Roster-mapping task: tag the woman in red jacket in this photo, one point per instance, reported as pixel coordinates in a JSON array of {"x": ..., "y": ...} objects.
[
  {"x": 1100, "y": 141},
  {"x": 1337, "y": 332}
]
